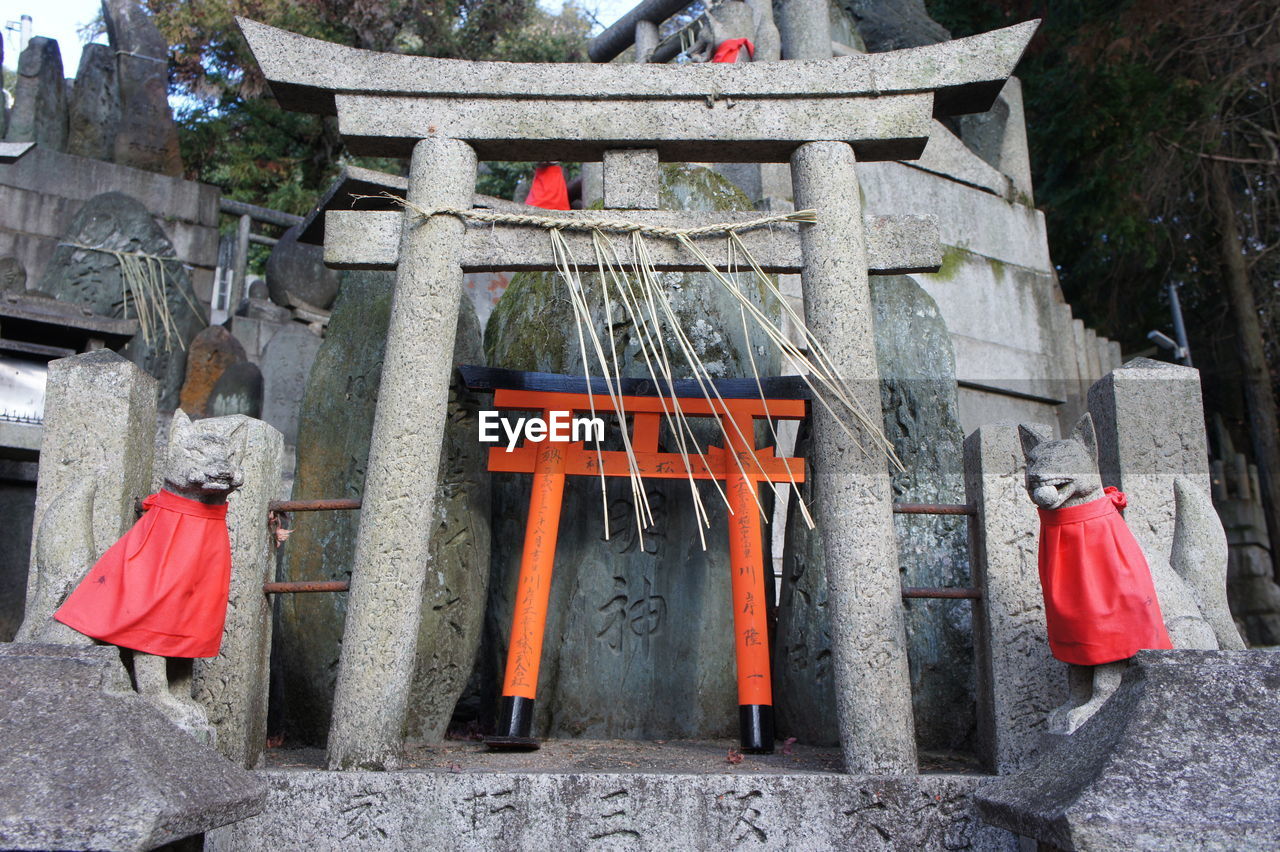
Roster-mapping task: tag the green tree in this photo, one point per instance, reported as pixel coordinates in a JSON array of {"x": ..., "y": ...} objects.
[
  {"x": 233, "y": 133},
  {"x": 1155, "y": 129}
]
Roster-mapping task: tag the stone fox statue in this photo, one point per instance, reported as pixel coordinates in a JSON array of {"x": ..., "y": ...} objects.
[
  {"x": 1102, "y": 604},
  {"x": 161, "y": 590}
]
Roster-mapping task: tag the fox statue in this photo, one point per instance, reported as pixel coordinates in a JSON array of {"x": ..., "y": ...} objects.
[
  {"x": 1190, "y": 586},
  {"x": 160, "y": 592}
]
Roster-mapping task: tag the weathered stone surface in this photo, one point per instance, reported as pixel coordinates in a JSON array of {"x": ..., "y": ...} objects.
[
  {"x": 385, "y": 607},
  {"x": 237, "y": 391},
  {"x": 297, "y": 271},
  {"x": 999, "y": 136},
  {"x": 95, "y": 105},
  {"x": 776, "y": 108},
  {"x": 1019, "y": 681},
  {"x": 99, "y": 435},
  {"x": 87, "y": 764},
  {"x": 639, "y": 630},
  {"x": 232, "y": 687},
  {"x": 852, "y": 507},
  {"x": 631, "y": 178},
  {"x": 894, "y": 24},
  {"x": 286, "y": 364},
  {"x": 13, "y": 275},
  {"x": 511, "y": 810},
  {"x": 333, "y": 447},
  {"x": 1183, "y": 754},
  {"x": 39, "y": 111},
  {"x": 804, "y": 27},
  {"x": 92, "y": 278},
  {"x": 918, "y": 401},
  {"x": 211, "y": 352},
  {"x": 147, "y": 137}
]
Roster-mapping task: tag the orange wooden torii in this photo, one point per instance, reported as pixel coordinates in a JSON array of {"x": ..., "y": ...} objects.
[{"x": 741, "y": 468}]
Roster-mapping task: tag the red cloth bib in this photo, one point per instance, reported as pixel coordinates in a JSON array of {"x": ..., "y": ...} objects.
[
  {"x": 549, "y": 191},
  {"x": 162, "y": 588},
  {"x": 727, "y": 50},
  {"x": 1099, "y": 601}
]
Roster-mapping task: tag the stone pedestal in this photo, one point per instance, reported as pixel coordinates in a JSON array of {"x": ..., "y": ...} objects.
[
  {"x": 1183, "y": 754},
  {"x": 85, "y": 763}
]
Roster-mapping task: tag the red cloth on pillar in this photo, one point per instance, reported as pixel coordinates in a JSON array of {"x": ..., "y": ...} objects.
[
  {"x": 549, "y": 191},
  {"x": 1099, "y": 601},
  {"x": 162, "y": 588},
  {"x": 728, "y": 50}
]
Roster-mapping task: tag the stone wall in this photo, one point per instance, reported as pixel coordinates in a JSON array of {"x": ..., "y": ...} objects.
[{"x": 43, "y": 190}]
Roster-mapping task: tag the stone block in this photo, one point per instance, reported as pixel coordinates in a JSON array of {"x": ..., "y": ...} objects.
[
  {"x": 1184, "y": 754},
  {"x": 237, "y": 391},
  {"x": 608, "y": 808},
  {"x": 1011, "y": 233},
  {"x": 212, "y": 351},
  {"x": 286, "y": 363},
  {"x": 147, "y": 137},
  {"x": 1150, "y": 422},
  {"x": 946, "y": 155},
  {"x": 39, "y": 111},
  {"x": 232, "y": 687},
  {"x": 95, "y": 105},
  {"x": 85, "y": 763},
  {"x": 99, "y": 428},
  {"x": 297, "y": 271},
  {"x": 1019, "y": 681}
]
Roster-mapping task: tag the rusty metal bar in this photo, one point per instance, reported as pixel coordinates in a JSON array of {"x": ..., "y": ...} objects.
[
  {"x": 933, "y": 509},
  {"x": 958, "y": 592},
  {"x": 313, "y": 505},
  {"x": 308, "y": 586}
]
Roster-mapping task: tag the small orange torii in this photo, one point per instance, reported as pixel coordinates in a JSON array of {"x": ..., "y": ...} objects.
[{"x": 738, "y": 403}]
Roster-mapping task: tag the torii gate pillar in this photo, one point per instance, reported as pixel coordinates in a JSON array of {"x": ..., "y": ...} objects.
[
  {"x": 853, "y": 499},
  {"x": 398, "y": 512}
]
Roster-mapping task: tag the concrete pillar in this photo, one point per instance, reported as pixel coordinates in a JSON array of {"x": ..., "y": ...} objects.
[
  {"x": 805, "y": 28},
  {"x": 1019, "y": 681},
  {"x": 233, "y": 686},
  {"x": 391, "y": 557},
  {"x": 97, "y": 450},
  {"x": 1149, "y": 417},
  {"x": 631, "y": 179},
  {"x": 853, "y": 510}
]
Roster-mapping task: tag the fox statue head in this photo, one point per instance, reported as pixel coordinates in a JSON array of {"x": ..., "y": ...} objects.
[{"x": 1062, "y": 473}]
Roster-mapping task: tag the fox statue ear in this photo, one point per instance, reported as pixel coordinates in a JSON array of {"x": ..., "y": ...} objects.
[
  {"x": 1030, "y": 440},
  {"x": 181, "y": 422},
  {"x": 1086, "y": 434}
]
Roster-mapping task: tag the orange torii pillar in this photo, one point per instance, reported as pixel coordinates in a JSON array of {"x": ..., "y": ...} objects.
[{"x": 741, "y": 468}]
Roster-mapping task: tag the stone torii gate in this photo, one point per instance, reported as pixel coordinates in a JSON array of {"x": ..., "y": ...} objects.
[{"x": 821, "y": 116}]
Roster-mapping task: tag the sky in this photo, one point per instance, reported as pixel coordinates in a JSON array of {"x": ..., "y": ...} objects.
[
  {"x": 61, "y": 19},
  {"x": 57, "y": 19}
]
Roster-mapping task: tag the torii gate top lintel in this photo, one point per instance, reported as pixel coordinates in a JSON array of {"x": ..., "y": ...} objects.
[{"x": 880, "y": 103}]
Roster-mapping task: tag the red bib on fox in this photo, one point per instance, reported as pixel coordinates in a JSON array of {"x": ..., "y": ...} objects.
[
  {"x": 1099, "y": 601},
  {"x": 162, "y": 588}
]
